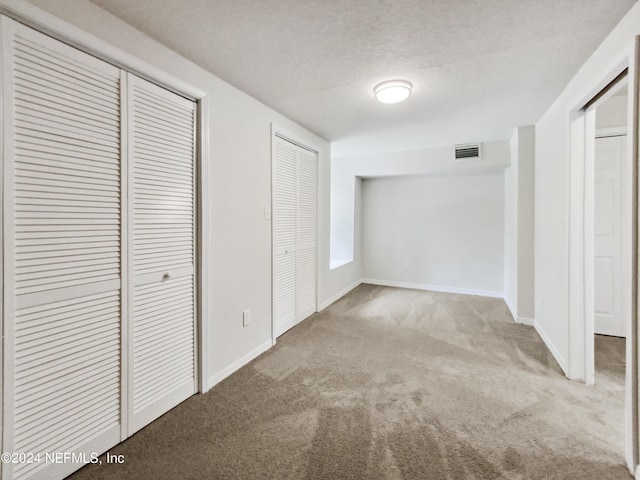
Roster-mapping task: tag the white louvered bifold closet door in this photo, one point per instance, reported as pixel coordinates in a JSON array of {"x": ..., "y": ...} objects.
[
  {"x": 284, "y": 236},
  {"x": 294, "y": 234},
  {"x": 62, "y": 279},
  {"x": 162, "y": 220}
]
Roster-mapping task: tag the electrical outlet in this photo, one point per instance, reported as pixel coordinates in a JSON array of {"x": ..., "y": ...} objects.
[
  {"x": 246, "y": 318},
  {"x": 407, "y": 265}
]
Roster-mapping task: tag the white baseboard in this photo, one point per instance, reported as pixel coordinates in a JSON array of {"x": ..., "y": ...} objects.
[
  {"x": 241, "y": 362},
  {"x": 526, "y": 321},
  {"x": 338, "y": 295},
  {"x": 516, "y": 318},
  {"x": 434, "y": 288},
  {"x": 552, "y": 348}
]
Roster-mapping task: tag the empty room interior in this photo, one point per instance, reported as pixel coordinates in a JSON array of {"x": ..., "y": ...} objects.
[{"x": 319, "y": 240}]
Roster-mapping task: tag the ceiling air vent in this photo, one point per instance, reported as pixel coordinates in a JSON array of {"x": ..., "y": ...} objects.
[{"x": 467, "y": 151}]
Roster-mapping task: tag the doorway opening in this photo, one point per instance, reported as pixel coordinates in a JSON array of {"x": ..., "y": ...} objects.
[
  {"x": 602, "y": 240},
  {"x": 610, "y": 284}
]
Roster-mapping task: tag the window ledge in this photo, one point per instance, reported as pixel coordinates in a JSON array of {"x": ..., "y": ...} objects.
[{"x": 339, "y": 262}]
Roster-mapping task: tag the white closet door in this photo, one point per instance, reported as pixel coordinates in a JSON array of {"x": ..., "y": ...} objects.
[
  {"x": 294, "y": 234},
  {"x": 306, "y": 234},
  {"x": 609, "y": 158},
  {"x": 161, "y": 215},
  {"x": 62, "y": 279},
  {"x": 284, "y": 235}
]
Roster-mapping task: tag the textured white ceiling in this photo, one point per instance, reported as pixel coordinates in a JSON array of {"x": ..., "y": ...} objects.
[{"x": 479, "y": 67}]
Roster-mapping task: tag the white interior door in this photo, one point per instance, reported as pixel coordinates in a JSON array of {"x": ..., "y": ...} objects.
[
  {"x": 162, "y": 223},
  {"x": 294, "y": 234},
  {"x": 62, "y": 278},
  {"x": 609, "y": 152}
]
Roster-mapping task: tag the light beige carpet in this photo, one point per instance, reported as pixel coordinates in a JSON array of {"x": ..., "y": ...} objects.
[{"x": 394, "y": 384}]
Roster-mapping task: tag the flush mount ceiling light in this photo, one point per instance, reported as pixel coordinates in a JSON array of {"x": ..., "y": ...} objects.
[{"x": 393, "y": 91}]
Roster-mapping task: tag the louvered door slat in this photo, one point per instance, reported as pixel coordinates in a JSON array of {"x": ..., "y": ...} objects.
[
  {"x": 163, "y": 167},
  {"x": 163, "y": 175},
  {"x": 63, "y": 241},
  {"x": 73, "y": 65},
  {"x": 61, "y": 92},
  {"x": 306, "y": 282},
  {"x": 173, "y": 120},
  {"x": 43, "y": 68},
  {"x": 160, "y": 308},
  {"x": 160, "y": 132},
  {"x": 68, "y": 390},
  {"x": 48, "y": 159},
  {"x": 284, "y": 292},
  {"x": 65, "y": 113},
  {"x": 284, "y": 195},
  {"x": 30, "y": 119},
  {"x": 48, "y": 365},
  {"x": 41, "y": 101},
  {"x": 161, "y": 156},
  {"x": 61, "y": 146},
  {"x": 63, "y": 386},
  {"x": 144, "y": 306}
]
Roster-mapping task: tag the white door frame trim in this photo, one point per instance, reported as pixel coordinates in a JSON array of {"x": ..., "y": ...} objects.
[
  {"x": 44, "y": 22},
  {"x": 581, "y": 242},
  {"x": 581, "y": 294}
]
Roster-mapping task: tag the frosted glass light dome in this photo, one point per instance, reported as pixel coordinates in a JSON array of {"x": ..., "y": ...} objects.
[{"x": 393, "y": 91}]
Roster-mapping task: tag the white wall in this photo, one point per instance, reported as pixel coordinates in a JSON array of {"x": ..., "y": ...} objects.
[
  {"x": 552, "y": 147},
  {"x": 239, "y": 187},
  {"x": 442, "y": 232},
  {"x": 526, "y": 267},
  {"x": 344, "y": 171},
  {"x": 511, "y": 229},
  {"x": 519, "y": 205}
]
